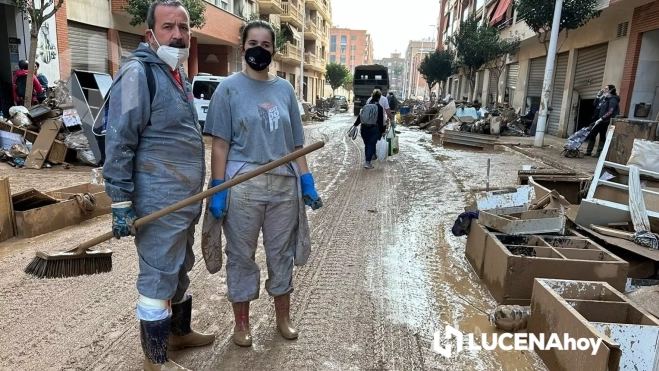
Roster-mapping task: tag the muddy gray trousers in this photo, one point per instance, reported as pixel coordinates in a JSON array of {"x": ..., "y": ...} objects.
[{"x": 267, "y": 203}]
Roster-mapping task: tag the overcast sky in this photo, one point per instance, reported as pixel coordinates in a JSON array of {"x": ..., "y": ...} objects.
[{"x": 391, "y": 23}]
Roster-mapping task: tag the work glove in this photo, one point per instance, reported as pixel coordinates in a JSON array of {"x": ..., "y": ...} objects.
[
  {"x": 218, "y": 205},
  {"x": 309, "y": 194},
  {"x": 123, "y": 219}
]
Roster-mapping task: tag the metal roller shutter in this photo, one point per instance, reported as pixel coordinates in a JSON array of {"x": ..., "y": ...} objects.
[
  {"x": 513, "y": 74},
  {"x": 589, "y": 75},
  {"x": 558, "y": 88},
  {"x": 481, "y": 83},
  {"x": 493, "y": 88},
  {"x": 129, "y": 42},
  {"x": 536, "y": 77},
  {"x": 89, "y": 47}
]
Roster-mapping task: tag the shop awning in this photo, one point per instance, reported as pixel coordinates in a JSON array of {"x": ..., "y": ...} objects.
[{"x": 500, "y": 12}]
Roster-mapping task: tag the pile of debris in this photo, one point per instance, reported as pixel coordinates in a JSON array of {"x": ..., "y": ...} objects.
[{"x": 47, "y": 134}]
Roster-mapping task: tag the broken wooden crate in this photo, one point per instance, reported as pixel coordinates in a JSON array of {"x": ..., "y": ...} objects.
[
  {"x": 37, "y": 213},
  {"x": 523, "y": 221},
  {"x": 587, "y": 309},
  {"x": 58, "y": 151},
  {"x": 508, "y": 264}
]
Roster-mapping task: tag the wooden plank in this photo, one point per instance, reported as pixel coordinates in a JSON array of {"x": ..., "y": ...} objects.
[
  {"x": 41, "y": 147},
  {"x": 7, "y": 221},
  {"x": 611, "y": 232},
  {"x": 624, "y": 244}
]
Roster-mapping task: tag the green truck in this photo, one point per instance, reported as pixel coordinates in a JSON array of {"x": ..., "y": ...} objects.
[{"x": 366, "y": 78}]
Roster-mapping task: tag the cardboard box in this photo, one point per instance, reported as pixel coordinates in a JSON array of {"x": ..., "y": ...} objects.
[
  {"x": 37, "y": 213},
  {"x": 587, "y": 309},
  {"x": 511, "y": 263}
]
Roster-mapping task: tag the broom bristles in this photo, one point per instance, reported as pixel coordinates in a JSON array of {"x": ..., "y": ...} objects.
[{"x": 62, "y": 268}]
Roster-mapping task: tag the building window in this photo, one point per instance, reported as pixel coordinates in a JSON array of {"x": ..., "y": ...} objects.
[
  {"x": 352, "y": 57},
  {"x": 353, "y": 47},
  {"x": 333, "y": 44},
  {"x": 281, "y": 74},
  {"x": 353, "y": 38},
  {"x": 343, "y": 48},
  {"x": 344, "y": 40},
  {"x": 222, "y": 4},
  {"x": 332, "y": 58},
  {"x": 343, "y": 60}
]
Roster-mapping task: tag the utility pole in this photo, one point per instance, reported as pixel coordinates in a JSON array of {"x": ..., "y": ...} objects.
[
  {"x": 549, "y": 76},
  {"x": 304, "y": 19}
]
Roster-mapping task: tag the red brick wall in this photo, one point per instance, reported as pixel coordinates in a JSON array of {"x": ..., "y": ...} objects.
[
  {"x": 113, "y": 51},
  {"x": 193, "y": 61},
  {"x": 63, "y": 43},
  {"x": 646, "y": 18}
]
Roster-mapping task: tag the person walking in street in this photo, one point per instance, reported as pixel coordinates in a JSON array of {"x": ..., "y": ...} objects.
[
  {"x": 20, "y": 84},
  {"x": 155, "y": 158},
  {"x": 608, "y": 108},
  {"x": 393, "y": 103},
  {"x": 256, "y": 120},
  {"x": 371, "y": 119},
  {"x": 43, "y": 81}
]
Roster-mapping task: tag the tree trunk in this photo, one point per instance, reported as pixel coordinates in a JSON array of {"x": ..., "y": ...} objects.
[{"x": 29, "y": 86}]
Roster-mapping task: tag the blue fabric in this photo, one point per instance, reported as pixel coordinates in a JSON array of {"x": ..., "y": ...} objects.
[
  {"x": 309, "y": 194},
  {"x": 122, "y": 221},
  {"x": 463, "y": 223},
  {"x": 218, "y": 206}
]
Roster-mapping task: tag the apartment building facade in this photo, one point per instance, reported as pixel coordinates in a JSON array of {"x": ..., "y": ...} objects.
[
  {"x": 96, "y": 35},
  {"x": 414, "y": 85},
  {"x": 351, "y": 48},
  {"x": 306, "y": 51},
  {"x": 621, "y": 47},
  {"x": 396, "y": 65}
]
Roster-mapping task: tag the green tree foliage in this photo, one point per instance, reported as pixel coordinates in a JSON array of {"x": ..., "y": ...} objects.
[
  {"x": 139, "y": 9},
  {"x": 539, "y": 16},
  {"x": 347, "y": 83},
  {"x": 438, "y": 66},
  {"x": 499, "y": 51},
  {"x": 336, "y": 74},
  {"x": 37, "y": 12}
]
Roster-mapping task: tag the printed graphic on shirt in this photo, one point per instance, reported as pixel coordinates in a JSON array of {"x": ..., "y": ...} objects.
[{"x": 269, "y": 116}]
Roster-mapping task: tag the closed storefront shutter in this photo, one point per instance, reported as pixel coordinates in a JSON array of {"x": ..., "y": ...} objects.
[
  {"x": 589, "y": 75},
  {"x": 511, "y": 81},
  {"x": 558, "y": 87},
  {"x": 536, "y": 77},
  {"x": 89, "y": 47},
  {"x": 129, "y": 42},
  {"x": 481, "y": 83},
  {"x": 493, "y": 88}
]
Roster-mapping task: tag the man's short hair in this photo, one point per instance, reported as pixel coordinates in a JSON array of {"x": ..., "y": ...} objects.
[{"x": 151, "y": 13}]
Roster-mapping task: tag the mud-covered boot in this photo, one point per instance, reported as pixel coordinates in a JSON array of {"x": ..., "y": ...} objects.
[
  {"x": 284, "y": 323},
  {"x": 181, "y": 335},
  {"x": 154, "y": 336},
  {"x": 600, "y": 148},
  {"x": 241, "y": 332}
]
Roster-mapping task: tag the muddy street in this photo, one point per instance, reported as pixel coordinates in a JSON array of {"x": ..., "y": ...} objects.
[{"x": 385, "y": 273}]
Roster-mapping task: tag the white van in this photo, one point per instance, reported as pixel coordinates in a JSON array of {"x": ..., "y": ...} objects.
[{"x": 203, "y": 87}]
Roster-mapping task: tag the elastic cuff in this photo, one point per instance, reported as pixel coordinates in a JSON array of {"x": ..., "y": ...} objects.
[{"x": 122, "y": 204}]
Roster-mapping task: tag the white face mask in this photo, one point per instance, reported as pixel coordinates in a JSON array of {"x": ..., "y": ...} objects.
[{"x": 173, "y": 57}]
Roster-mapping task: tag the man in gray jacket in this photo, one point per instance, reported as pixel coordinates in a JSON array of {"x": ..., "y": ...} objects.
[{"x": 155, "y": 158}]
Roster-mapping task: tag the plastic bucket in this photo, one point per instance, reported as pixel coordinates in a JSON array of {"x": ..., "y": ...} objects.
[{"x": 404, "y": 110}]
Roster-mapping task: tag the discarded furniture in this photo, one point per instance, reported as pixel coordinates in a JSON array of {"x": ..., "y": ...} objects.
[
  {"x": 7, "y": 221},
  {"x": 58, "y": 150},
  {"x": 36, "y": 212},
  {"x": 608, "y": 202},
  {"x": 523, "y": 222},
  {"x": 508, "y": 264},
  {"x": 41, "y": 147},
  {"x": 626, "y": 131},
  {"x": 463, "y": 138},
  {"x": 595, "y": 310},
  {"x": 565, "y": 182}
]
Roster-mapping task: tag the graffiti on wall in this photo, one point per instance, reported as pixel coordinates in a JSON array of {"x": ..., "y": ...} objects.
[{"x": 47, "y": 50}]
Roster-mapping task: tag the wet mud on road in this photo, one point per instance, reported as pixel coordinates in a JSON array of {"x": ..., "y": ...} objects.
[{"x": 385, "y": 273}]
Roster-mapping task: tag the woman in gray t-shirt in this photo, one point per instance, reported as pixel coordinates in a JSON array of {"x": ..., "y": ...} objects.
[{"x": 254, "y": 119}]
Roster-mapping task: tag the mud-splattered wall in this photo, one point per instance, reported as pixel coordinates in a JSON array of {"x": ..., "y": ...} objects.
[{"x": 47, "y": 54}]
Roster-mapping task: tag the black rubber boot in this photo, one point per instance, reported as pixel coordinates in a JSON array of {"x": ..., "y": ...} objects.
[
  {"x": 600, "y": 148},
  {"x": 154, "y": 336},
  {"x": 591, "y": 145},
  {"x": 182, "y": 336}
]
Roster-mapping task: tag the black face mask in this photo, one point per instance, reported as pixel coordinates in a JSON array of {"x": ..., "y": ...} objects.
[{"x": 258, "y": 58}]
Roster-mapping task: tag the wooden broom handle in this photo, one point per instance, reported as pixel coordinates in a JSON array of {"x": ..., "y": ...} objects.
[{"x": 205, "y": 194}]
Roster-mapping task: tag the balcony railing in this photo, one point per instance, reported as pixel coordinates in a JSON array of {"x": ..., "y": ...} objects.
[
  {"x": 292, "y": 11},
  {"x": 270, "y": 6},
  {"x": 291, "y": 52}
]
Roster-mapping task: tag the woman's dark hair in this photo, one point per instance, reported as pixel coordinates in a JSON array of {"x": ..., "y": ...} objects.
[{"x": 257, "y": 23}]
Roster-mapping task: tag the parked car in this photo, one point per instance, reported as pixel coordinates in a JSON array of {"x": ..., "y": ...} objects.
[
  {"x": 341, "y": 101},
  {"x": 203, "y": 87}
]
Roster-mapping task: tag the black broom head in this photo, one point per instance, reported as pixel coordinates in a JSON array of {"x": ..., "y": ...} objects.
[{"x": 66, "y": 264}]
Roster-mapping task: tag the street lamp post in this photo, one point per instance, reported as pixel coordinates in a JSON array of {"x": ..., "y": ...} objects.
[{"x": 304, "y": 18}]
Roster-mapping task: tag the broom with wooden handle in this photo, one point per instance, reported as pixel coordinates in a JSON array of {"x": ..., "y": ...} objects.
[{"x": 81, "y": 260}]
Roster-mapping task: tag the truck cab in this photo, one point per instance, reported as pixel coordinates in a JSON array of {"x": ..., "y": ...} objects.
[{"x": 365, "y": 79}]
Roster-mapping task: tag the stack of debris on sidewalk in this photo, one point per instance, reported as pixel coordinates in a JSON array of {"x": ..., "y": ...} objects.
[
  {"x": 47, "y": 134},
  {"x": 584, "y": 270}
]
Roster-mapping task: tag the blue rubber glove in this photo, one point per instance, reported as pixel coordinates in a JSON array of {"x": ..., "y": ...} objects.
[
  {"x": 218, "y": 205},
  {"x": 123, "y": 219},
  {"x": 309, "y": 194}
]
